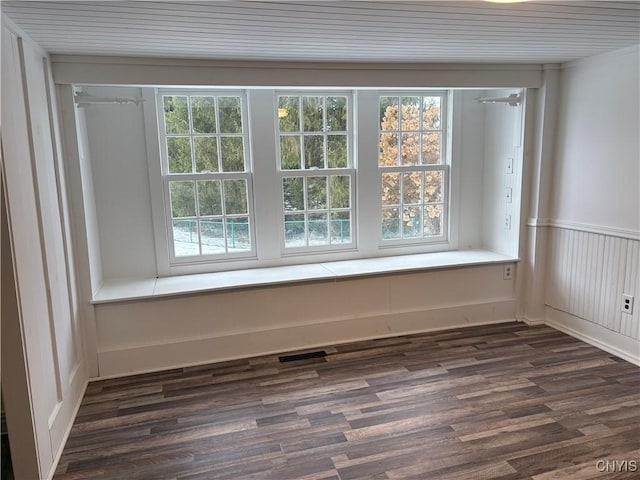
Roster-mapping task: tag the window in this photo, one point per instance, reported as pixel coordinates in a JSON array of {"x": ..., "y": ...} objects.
[
  {"x": 305, "y": 179},
  {"x": 206, "y": 174},
  {"x": 316, "y": 170},
  {"x": 413, "y": 167}
]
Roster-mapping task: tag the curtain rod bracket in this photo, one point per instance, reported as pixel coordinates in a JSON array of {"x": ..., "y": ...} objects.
[
  {"x": 82, "y": 100},
  {"x": 513, "y": 100}
]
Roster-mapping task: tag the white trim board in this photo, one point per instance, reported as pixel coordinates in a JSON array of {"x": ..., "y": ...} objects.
[
  {"x": 108, "y": 70},
  {"x": 621, "y": 346},
  {"x": 135, "y": 289},
  {"x": 148, "y": 358},
  {"x": 67, "y": 432},
  {"x": 584, "y": 227}
]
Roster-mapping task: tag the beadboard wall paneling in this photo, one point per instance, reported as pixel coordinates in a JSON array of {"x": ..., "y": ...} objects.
[{"x": 589, "y": 272}]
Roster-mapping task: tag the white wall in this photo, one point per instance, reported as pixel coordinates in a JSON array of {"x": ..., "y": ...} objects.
[
  {"x": 45, "y": 330},
  {"x": 189, "y": 329},
  {"x": 597, "y": 167},
  {"x": 117, "y": 149},
  {"x": 89, "y": 208},
  {"x": 503, "y": 141},
  {"x": 471, "y": 132},
  {"x": 594, "y": 231}
]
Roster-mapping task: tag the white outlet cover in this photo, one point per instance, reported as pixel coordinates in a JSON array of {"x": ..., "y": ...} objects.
[
  {"x": 509, "y": 165},
  {"x": 627, "y": 304}
]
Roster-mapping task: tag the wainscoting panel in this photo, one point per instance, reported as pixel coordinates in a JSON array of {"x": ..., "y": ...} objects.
[{"x": 588, "y": 273}]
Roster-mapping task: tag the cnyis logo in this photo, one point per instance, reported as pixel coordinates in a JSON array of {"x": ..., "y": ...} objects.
[{"x": 610, "y": 466}]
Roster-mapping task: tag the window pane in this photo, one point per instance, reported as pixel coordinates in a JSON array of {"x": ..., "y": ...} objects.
[
  {"x": 238, "y": 238},
  {"x": 290, "y": 152},
  {"x": 209, "y": 199},
  {"x": 185, "y": 237},
  {"x": 390, "y": 223},
  {"x": 313, "y": 151},
  {"x": 293, "y": 193},
  {"x": 179, "y": 154},
  {"x": 410, "y": 113},
  {"x": 411, "y": 222},
  {"x": 232, "y": 151},
  {"x": 410, "y": 148},
  {"x": 339, "y": 191},
  {"x": 433, "y": 186},
  {"x": 289, "y": 114},
  {"x": 388, "y": 149},
  {"x": 316, "y": 193},
  {"x": 431, "y": 113},
  {"x": 294, "y": 231},
  {"x": 388, "y": 113},
  {"x": 203, "y": 112},
  {"x": 432, "y": 220},
  {"x": 312, "y": 114},
  {"x": 337, "y": 114},
  {"x": 230, "y": 114},
  {"x": 183, "y": 199},
  {"x": 340, "y": 227},
  {"x": 235, "y": 197},
  {"x": 411, "y": 187},
  {"x": 212, "y": 236},
  {"x": 337, "y": 151},
  {"x": 431, "y": 148},
  {"x": 206, "y": 153},
  {"x": 390, "y": 189},
  {"x": 318, "y": 230},
  {"x": 176, "y": 114}
]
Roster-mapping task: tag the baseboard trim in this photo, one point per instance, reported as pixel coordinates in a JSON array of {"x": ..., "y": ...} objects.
[
  {"x": 621, "y": 346},
  {"x": 531, "y": 321},
  {"x": 67, "y": 431},
  {"x": 151, "y": 358}
]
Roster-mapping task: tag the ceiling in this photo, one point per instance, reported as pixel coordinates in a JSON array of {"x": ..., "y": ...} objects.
[{"x": 353, "y": 31}]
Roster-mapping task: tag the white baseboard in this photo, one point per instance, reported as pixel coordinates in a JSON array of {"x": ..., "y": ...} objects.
[
  {"x": 531, "y": 321},
  {"x": 67, "y": 432},
  {"x": 619, "y": 345},
  {"x": 149, "y": 358}
]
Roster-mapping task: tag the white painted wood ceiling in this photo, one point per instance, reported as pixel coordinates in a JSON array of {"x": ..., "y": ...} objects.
[{"x": 358, "y": 31}]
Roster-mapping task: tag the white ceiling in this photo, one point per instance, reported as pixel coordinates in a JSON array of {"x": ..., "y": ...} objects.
[{"x": 365, "y": 31}]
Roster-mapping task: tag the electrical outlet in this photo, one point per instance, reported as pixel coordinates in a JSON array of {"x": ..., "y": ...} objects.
[
  {"x": 627, "y": 303},
  {"x": 507, "y": 222},
  {"x": 508, "y": 272},
  {"x": 509, "y": 165},
  {"x": 508, "y": 195}
]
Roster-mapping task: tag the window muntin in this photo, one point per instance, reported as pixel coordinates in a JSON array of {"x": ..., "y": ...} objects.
[
  {"x": 206, "y": 173},
  {"x": 413, "y": 167},
  {"x": 316, "y": 170}
]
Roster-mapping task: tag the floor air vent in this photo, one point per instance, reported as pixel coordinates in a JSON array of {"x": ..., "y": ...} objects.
[{"x": 302, "y": 356}]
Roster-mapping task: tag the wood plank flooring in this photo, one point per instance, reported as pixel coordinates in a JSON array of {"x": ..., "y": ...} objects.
[{"x": 504, "y": 402}]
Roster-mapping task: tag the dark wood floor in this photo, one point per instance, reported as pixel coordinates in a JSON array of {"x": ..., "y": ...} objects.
[{"x": 503, "y": 402}]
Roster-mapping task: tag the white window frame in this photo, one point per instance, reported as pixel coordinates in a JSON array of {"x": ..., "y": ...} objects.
[
  {"x": 173, "y": 177},
  {"x": 349, "y": 171},
  {"x": 445, "y": 166},
  {"x": 264, "y": 177}
]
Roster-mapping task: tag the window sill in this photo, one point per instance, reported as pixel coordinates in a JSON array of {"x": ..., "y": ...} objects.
[{"x": 130, "y": 289}]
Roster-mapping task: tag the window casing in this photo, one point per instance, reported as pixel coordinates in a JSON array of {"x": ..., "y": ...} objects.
[
  {"x": 316, "y": 170},
  {"x": 413, "y": 167},
  {"x": 206, "y": 173}
]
